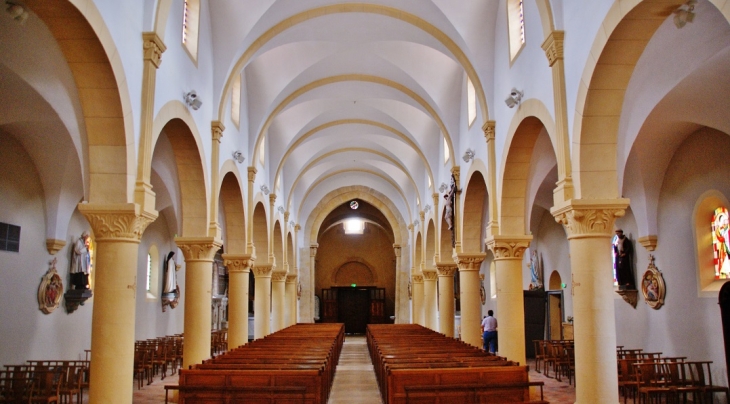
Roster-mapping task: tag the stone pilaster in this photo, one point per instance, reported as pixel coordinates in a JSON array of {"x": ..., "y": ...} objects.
[
  {"x": 553, "y": 47},
  {"x": 447, "y": 312},
  {"x": 430, "y": 310},
  {"x": 250, "y": 248},
  {"x": 508, "y": 252},
  {"x": 117, "y": 230},
  {"x": 239, "y": 267},
  {"x": 471, "y": 304},
  {"x": 489, "y": 136},
  {"x": 152, "y": 49},
  {"x": 216, "y": 130},
  {"x": 290, "y": 314},
  {"x": 589, "y": 224},
  {"x": 417, "y": 294},
  {"x": 262, "y": 300},
  {"x": 312, "y": 272},
  {"x": 198, "y": 253}
]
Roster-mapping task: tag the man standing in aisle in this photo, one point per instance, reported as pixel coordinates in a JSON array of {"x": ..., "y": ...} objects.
[{"x": 489, "y": 327}]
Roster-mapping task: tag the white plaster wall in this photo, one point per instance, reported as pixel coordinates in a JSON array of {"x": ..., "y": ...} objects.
[
  {"x": 26, "y": 332},
  {"x": 551, "y": 244},
  {"x": 687, "y": 325}
]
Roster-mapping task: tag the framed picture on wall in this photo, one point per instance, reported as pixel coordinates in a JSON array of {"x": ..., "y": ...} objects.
[{"x": 652, "y": 286}]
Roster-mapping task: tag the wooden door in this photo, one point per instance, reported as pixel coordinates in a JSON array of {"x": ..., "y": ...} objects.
[
  {"x": 353, "y": 309},
  {"x": 534, "y": 319}
]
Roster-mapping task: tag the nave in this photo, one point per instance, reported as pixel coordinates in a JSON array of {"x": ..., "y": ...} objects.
[{"x": 355, "y": 381}]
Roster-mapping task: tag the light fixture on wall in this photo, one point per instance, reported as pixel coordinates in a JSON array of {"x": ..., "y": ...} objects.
[
  {"x": 238, "y": 156},
  {"x": 280, "y": 209},
  {"x": 427, "y": 208},
  {"x": 416, "y": 223},
  {"x": 443, "y": 187},
  {"x": 515, "y": 96},
  {"x": 469, "y": 155},
  {"x": 291, "y": 223},
  {"x": 17, "y": 11},
  {"x": 684, "y": 14},
  {"x": 191, "y": 98},
  {"x": 265, "y": 189}
]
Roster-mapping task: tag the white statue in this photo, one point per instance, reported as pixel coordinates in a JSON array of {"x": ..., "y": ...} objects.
[{"x": 81, "y": 262}]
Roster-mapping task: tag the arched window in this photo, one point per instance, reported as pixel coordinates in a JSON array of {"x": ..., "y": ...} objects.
[
  {"x": 712, "y": 229},
  {"x": 516, "y": 27},
  {"x": 471, "y": 102},
  {"x": 447, "y": 151},
  {"x": 190, "y": 24},
  {"x": 262, "y": 149},
  {"x": 614, "y": 243},
  {"x": 153, "y": 271}
]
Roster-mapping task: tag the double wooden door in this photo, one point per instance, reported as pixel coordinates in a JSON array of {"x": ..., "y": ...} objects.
[{"x": 355, "y": 307}]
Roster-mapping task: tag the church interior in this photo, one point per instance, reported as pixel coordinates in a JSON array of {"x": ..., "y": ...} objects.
[{"x": 246, "y": 165}]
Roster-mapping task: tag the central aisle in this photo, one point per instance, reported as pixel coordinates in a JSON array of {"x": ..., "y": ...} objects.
[{"x": 354, "y": 376}]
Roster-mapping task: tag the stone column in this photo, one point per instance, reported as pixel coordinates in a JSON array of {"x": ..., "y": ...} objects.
[
  {"x": 262, "y": 300},
  {"x": 312, "y": 263},
  {"x": 152, "y": 47},
  {"x": 239, "y": 267},
  {"x": 508, "y": 252},
  {"x": 278, "y": 296},
  {"x": 471, "y": 303},
  {"x": 417, "y": 296},
  {"x": 430, "y": 311},
  {"x": 291, "y": 300},
  {"x": 250, "y": 247},
  {"x": 447, "y": 312},
  {"x": 216, "y": 129},
  {"x": 198, "y": 253},
  {"x": 493, "y": 224},
  {"x": 589, "y": 224},
  {"x": 553, "y": 47},
  {"x": 117, "y": 230},
  {"x": 399, "y": 319}
]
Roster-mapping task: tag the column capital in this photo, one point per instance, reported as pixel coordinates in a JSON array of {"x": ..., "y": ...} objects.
[
  {"x": 586, "y": 218},
  {"x": 313, "y": 249},
  {"x": 272, "y": 199},
  {"x": 469, "y": 261},
  {"x": 238, "y": 262},
  {"x": 417, "y": 278},
  {"x": 649, "y": 242},
  {"x": 198, "y": 248},
  {"x": 489, "y": 130},
  {"x": 291, "y": 278},
  {"x": 286, "y": 217},
  {"x": 553, "y": 46},
  {"x": 216, "y": 129},
  {"x": 55, "y": 245},
  {"x": 262, "y": 271},
  {"x": 120, "y": 222},
  {"x": 297, "y": 228},
  {"x": 277, "y": 276},
  {"x": 152, "y": 48},
  {"x": 411, "y": 227},
  {"x": 396, "y": 248},
  {"x": 508, "y": 247},
  {"x": 456, "y": 172},
  {"x": 429, "y": 274},
  {"x": 252, "y": 174},
  {"x": 446, "y": 268}
]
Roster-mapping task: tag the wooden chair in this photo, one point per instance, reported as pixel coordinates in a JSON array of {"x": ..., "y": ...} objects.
[
  {"x": 539, "y": 353},
  {"x": 679, "y": 378},
  {"x": 71, "y": 386},
  {"x": 651, "y": 383},
  {"x": 158, "y": 360},
  {"x": 550, "y": 357},
  {"x": 627, "y": 383},
  {"x": 702, "y": 375},
  {"x": 140, "y": 366},
  {"x": 46, "y": 386}
]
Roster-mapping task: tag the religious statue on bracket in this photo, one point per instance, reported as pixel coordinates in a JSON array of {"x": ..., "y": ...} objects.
[
  {"x": 81, "y": 266},
  {"x": 536, "y": 282},
  {"x": 450, "y": 196},
  {"x": 50, "y": 290},
  {"x": 170, "y": 291}
]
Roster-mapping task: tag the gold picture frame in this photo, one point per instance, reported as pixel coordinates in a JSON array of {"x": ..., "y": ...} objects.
[
  {"x": 50, "y": 290},
  {"x": 652, "y": 286}
]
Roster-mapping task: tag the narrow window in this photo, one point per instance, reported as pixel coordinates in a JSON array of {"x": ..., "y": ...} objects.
[
  {"x": 516, "y": 27},
  {"x": 471, "y": 102},
  {"x": 236, "y": 101},
  {"x": 712, "y": 230},
  {"x": 447, "y": 151},
  {"x": 262, "y": 149},
  {"x": 153, "y": 273},
  {"x": 721, "y": 243},
  {"x": 9, "y": 237},
  {"x": 191, "y": 22}
]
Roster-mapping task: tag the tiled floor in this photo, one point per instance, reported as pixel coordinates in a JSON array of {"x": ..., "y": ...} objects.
[{"x": 355, "y": 381}]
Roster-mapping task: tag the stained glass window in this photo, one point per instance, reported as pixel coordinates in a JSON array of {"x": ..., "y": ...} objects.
[
  {"x": 614, "y": 243},
  {"x": 721, "y": 243}
]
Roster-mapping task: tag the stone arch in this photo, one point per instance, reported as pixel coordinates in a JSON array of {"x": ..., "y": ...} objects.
[
  {"x": 601, "y": 95},
  {"x": 361, "y": 274},
  {"x": 260, "y": 233},
  {"x": 546, "y": 17},
  {"x": 191, "y": 177},
  {"x": 231, "y": 199},
  {"x": 86, "y": 43},
  {"x": 475, "y": 203},
  {"x": 515, "y": 175}
]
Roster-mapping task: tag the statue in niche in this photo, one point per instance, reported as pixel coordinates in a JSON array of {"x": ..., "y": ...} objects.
[
  {"x": 170, "y": 291},
  {"x": 535, "y": 272},
  {"x": 449, "y": 209}
]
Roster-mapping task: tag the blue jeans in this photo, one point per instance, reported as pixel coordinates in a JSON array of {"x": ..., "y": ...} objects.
[{"x": 490, "y": 341}]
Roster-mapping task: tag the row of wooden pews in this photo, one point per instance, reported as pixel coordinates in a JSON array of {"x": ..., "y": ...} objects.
[
  {"x": 296, "y": 364},
  {"x": 415, "y": 364}
]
